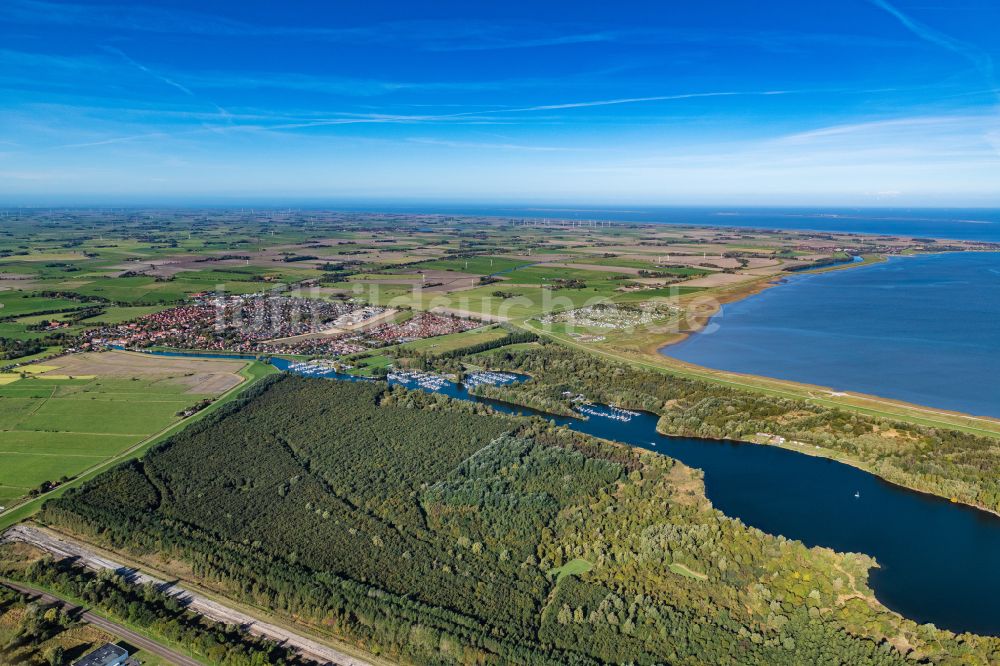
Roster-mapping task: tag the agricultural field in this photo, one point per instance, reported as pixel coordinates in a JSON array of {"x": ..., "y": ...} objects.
[
  {"x": 487, "y": 265},
  {"x": 120, "y": 314},
  {"x": 19, "y": 304},
  {"x": 653, "y": 263},
  {"x": 149, "y": 290},
  {"x": 454, "y": 341},
  {"x": 541, "y": 274},
  {"x": 59, "y": 419}
]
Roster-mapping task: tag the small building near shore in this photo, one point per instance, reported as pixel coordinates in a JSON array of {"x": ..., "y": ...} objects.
[{"x": 108, "y": 654}]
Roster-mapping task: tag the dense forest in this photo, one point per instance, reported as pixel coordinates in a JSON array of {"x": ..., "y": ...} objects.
[
  {"x": 435, "y": 532},
  {"x": 944, "y": 462}
]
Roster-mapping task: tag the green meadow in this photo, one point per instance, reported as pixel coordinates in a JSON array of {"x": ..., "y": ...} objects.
[
  {"x": 575, "y": 567},
  {"x": 660, "y": 292},
  {"x": 445, "y": 343},
  {"x": 147, "y": 290},
  {"x": 119, "y": 314},
  {"x": 542, "y": 274},
  {"x": 477, "y": 265},
  {"x": 18, "y": 304},
  {"x": 647, "y": 264},
  {"x": 51, "y": 428}
]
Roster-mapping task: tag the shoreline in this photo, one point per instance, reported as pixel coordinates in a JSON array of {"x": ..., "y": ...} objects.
[
  {"x": 757, "y": 287},
  {"x": 744, "y": 290},
  {"x": 815, "y": 451},
  {"x": 697, "y": 325}
]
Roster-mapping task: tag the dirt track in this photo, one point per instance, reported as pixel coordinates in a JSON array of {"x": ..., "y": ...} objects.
[{"x": 63, "y": 547}]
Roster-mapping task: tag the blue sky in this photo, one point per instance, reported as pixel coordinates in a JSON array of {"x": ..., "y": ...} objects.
[{"x": 826, "y": 102}]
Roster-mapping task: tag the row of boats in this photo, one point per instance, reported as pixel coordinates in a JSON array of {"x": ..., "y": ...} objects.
[
  {"x": 409, "y": 378},
  {"x": 425, "y": 380},
  {"x": 312, "y": 369},
  {"x": 613, "y": 413},
  {"x": 488, "y": 378}
]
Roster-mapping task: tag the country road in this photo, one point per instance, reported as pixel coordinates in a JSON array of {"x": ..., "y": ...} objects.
[
  {"x": 114, "y": 628},
  {"x": 213, "y": 610}
]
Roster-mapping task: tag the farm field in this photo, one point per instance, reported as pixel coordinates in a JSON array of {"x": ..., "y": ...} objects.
[
  {"x": 445, "y": 343},
  {"x": 147, "y": 290},
  {"x": 651, "y": 264},
  {"x": 18, "y": 304},
  {"x": 81, "y": 410},
  {"x": 497, "y": 300},
  {"x": 117, "y": 315},
  {"x": 479, "y": 265},
  {"x": 542, "y": 274}
]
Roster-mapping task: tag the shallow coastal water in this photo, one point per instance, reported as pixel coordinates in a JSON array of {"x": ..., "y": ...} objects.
[{"x": 922, "y": 329}]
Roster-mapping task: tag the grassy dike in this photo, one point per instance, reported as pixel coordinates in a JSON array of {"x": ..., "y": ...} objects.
[{"x": 253, "y": 372}]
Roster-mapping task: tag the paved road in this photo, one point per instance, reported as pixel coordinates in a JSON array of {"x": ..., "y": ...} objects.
[
  {"x": 124, "y": 633},
  {"x": 62, "y": 547}
]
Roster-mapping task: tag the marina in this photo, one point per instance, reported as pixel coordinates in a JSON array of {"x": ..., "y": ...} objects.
[{"x": 606, "y": 412}]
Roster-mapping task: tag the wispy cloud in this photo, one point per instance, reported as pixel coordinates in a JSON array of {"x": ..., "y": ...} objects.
[
  {"x": 475, "y": 145},
  {"x": 634, "y": 100},
  {"x": 170, "y": 82},
  {"x": 978, "y": 57},
  {"x": 884, "y": 126}
]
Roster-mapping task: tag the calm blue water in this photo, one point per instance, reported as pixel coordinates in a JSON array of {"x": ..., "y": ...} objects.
[
  {"x": 921, "y": 329},
  {"x": 956, "y": 224},
  {"x": 937, "y": 559}
]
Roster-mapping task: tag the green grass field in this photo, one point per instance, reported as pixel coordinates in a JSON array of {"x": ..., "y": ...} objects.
[
  {"x": 477, "y": 265},
  {"x": 147, "y": 290},
  {"x": 117, "y": 315},
  {"x": 19, "y": 304},
  {"x": 251, "y": 373},
  {"x": 647, "y": 264},
  {"x": 59, "y": 427},
  {"x": 365, "y": 367},
  {"x": 544, "y": 274},
  {"x": 682, "y": 570},
  {"x": 444, "y": 343},
  {"x": 661, "y": 292},
  {"x": 515, "y": 303}
]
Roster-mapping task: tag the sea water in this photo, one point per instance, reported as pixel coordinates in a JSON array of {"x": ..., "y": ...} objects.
[{"x": 923, "y": 329}]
